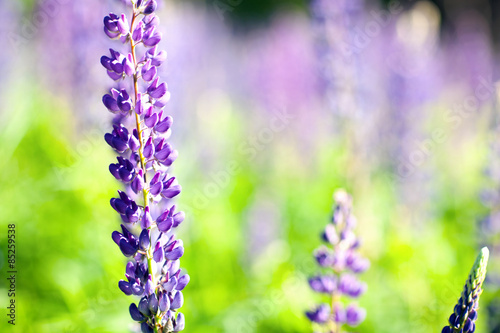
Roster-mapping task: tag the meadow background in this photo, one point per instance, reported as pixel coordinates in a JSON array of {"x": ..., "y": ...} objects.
[{"x": 276, "y": 105}]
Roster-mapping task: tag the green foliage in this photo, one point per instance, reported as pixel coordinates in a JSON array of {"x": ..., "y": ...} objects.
[{"x": 57, "y": 195}]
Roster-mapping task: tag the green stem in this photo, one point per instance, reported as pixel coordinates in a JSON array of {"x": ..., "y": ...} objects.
[{"x": 141, "y": 156}]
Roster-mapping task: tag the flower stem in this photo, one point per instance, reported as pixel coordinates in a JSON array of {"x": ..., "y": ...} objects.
[
  {"x": 336, "y": 327},
  {"x": 141, "y": 154}
]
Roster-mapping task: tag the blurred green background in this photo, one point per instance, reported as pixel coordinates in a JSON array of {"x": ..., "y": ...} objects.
[{"x": 256, "y": 202}]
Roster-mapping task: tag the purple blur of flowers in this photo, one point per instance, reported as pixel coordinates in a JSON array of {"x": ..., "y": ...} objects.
[
  {"x": 343, "y": 263},
  {"x": 489, "y": 226},
  {"x": 140, "y": 136}
]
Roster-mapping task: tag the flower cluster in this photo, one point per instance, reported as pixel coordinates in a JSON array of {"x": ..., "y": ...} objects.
[
  {"x": 465, "y": 312},
  {"x": 140, "y": 136},
  {"x": 344, "y": 263}
]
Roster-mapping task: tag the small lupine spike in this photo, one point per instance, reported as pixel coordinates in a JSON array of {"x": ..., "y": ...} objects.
[
  {"x": 340, "y": 256},
  {"x": 465, "y": 313}
]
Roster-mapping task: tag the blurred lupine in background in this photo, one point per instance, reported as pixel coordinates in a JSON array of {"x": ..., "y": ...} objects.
[
  {"x": 74, "y": 76},
  {"x": 466, "y": 311},
  {"x": 334, "y": 23},
  {"x": 154, "y": 273},
  {"x": 342, "y": 263},
  {"x": 489, "y": 226},
  {"x": 7, "y": 18}
]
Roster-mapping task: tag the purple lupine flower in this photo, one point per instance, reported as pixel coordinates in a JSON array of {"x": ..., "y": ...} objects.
[
  {"x": 334, "y": 23},
  {"x": 464, "y": 315},
  {"x": 149, "y": 219},
  {"x": 320, "y": 315},
  {"x": 341, "y": 258},
  {"x": 68, "y": 43},
  {"x": 9, "y": 14}
]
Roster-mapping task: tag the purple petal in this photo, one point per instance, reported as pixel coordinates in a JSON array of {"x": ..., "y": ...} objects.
[
  {"x": 152, "y": 20},
  {"x": 150, "y": 74},
  {"x": 153, "y": 303},
  {"x": 170, "y": 284},
  {"x": 159, "y": 58},
  {"x": 125, "y": 287},
  {"x": 172, "y": 191},
  {"x": 146, "y": 220},
  {"x": 115, "y": 93},
  {"x": 117, "y": 67},
  {"x": 152, "y": 120},
  {"x": 144, "y": 240},
  {"x": 145, "y": 328},
  {"x": 125, "y": 175},
  {"x": 114, "y": 76},
  {"x": 106, "y": 62},
  {"x": 138, "y": 183},
  {"x": 108, "y": 137},
  {"x": 319, "y": 315},
  {"x": 130, "y": 270},
  {"x": 139, "y": 107},
  {"x": 175, "y": 253},
  {"x": 123, "y": 25},
  {"x": 113, "y": 168},
  {"x": 149, "y": 289},
  {"x": 160, "y": 91},
  {"x": 354, "y": 315},
  {"x": 164, "y": 153},
  {"x": 174, "y": 267},
  {"x": 153, "y": 40},
  {"x": 177, "y": 301},
  {"x": 158, "y": 254},
  {"x": 132, "y": 215},
  {"x": 110, "y": 34},
  {"x": 110, "y": 103},
  {"x": 179, "y": 323},
  {"x": 178, "y": 218},
  {"x": 148, "y": 149},
  {"x": 150, "y": 8},
  {"x": 183, "y": 281},
  {"x": 133, "y": 143},
  {"x": 153, "y": 85},
  {"x": 164, "y": 125},
  {"x": 118, "y": 205},
  {"x": 137, "y": 34},
  {"x": 119, "y": 144},
  {"x": 166, "y": 225},
  {"x": 110, "y": 24},
  {"x": 128, "y": 67},
  {"x": 164, "y": 302},
  {"x": 135, "y": 313},
  {"x": 124, "y": 102},
  {"x": 160, "y": 103},
  {"x": 144, "y": 306},
  {"x": 127, "y": 249},
  {"x": 117, "y": 237},
  {"x": 156, "y": 189},
  {"x": 171, "y": 158}
]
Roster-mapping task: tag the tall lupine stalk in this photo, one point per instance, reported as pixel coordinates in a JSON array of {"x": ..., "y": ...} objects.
[
  {"x": 344, "y": 263},
  {"x": 153, "y": 273},
  {"x": 334, "y": 23},
  {"x": 464, "y": 314}
]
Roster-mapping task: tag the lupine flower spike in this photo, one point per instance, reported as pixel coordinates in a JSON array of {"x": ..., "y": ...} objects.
[
  {"x": 342, "y": 261},
  {"x": 140, "y": 136},
  {"x": 465, "y": 313}
]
